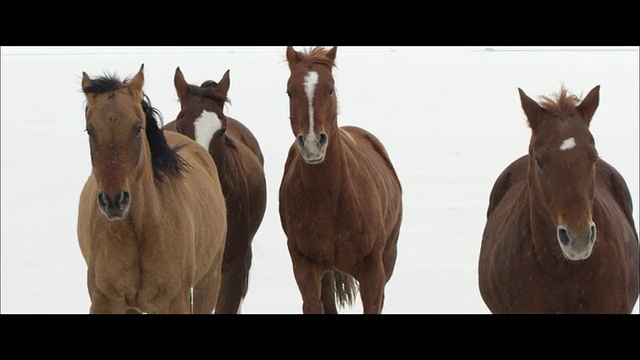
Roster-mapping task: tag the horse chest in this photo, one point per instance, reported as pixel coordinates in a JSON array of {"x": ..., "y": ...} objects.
[
  {"x": 117, "y": 270},
  {"x": 137, "y": 272},
  {"x": 330, "y": 236},
  {"x": 330, "y": 221},
  {"x": 525, "y": 285}
]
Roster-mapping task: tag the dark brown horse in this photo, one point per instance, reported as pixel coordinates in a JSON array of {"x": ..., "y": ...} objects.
[
  {"x": 151, "y": 220},
  {"x": 240, "y": 163},
  {"x": 560, "y": 236},
  {"x": 340, "y": 197}
]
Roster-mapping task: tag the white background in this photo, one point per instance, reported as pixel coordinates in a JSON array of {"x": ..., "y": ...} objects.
[{"x": 450, "y": 118}]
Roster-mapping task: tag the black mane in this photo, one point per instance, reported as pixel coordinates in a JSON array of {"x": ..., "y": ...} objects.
[{"x": 164, "y": 159}]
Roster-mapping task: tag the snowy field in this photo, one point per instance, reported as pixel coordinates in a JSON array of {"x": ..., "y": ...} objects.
[{"x": 449, "y": 117}]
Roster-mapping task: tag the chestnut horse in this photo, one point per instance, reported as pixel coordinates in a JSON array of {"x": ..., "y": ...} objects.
[
  {"x": 151, "y": 220},
  {"x": 240, "y": 162},
  {"x": 560, "y": 236},
  {"x": 340, "y": 196}
]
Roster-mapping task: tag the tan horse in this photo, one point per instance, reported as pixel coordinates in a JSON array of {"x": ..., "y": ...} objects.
[
  {"x": 560, "y": 236},
  {"x": 340, "y": 197},
  {"x": 151, "y": 221},
  {"x": 237, "y": 154}
]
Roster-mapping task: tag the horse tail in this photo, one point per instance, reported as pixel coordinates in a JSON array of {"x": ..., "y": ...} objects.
[{"x": 346, "y": 288}]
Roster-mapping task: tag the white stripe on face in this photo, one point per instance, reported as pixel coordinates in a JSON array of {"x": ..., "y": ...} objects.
[
  {"x": 310, "y": 82},
  {"x": 570, "y": 143},
  {"x": 205, "y": 126}
]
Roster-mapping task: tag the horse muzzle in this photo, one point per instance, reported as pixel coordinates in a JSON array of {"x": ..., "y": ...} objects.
[
  {"x": 577, "y": 245},
  {"x": 116, "y": 207},
  {"x": 312, "y": 149}
]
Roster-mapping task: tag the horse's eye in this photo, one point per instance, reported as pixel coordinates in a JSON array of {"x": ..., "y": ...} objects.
[
  {"x": 331, "y": 92},
  {"x": 289, "y": 94},
  {"x": 138, "y": 130},
  {"x": 539, "y": 164}
]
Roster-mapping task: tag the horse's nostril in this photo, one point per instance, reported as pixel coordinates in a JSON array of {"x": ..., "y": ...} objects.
[
  {"x": 592, "y": 233},
  {"x": 564, "y": 237},
  {"x": 124, "y": 199},
  {"x": 103, "y": 200},
  {"x": 323, "y": 138},
  {"x": 300, "y": 140}
]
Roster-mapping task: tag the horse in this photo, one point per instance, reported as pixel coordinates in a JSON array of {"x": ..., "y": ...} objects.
[
  {"x": 240, "y": 162},
  {"x": 151, "y": 220},
  {"x": 340, "y": 199},
  {"x": 559, "y": 236}
]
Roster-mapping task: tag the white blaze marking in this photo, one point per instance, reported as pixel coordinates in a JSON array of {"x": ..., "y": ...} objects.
[
  {"x": 568, "y": 144},
  {"x": 310, "y": 82},
  {"x": 205, "y": 126}
]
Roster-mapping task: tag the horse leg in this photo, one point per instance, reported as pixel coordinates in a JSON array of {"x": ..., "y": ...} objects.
[
  {"x": 328, "y": 294},
  {"x": 390, "y": 253},
  {"x": 181, "y": 304},
  {"x": 207, "y": 289},
  {"x": 372, "y": 281},
  {"x": 235, "y": 279},
  {"x": 308, "y": 276},
  {"x": 102, "y": 304}
]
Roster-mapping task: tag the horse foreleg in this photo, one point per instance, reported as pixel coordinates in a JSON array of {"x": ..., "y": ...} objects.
[
  {"x": 235, "y": 276},
  {"x": 206, "y": 291},
  {"x": 181, "y": 304},
  {"x": 372, "y": 282},
  {"x": 328, "y": 294},
  {"x": 102, "y": 304},
  {"x": 308, "y": 276}
]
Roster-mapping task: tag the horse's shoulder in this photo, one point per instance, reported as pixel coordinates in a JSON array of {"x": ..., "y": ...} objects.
[
  {"x": 616, "y": 186},
  {"x": 357, "y": 135},
  {"x": 512, "y": 174}
]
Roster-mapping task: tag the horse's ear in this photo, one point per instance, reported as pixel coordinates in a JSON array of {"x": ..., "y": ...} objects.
[
  {"x": 292, "y": 57},
  {"x": 531, "y": 109},
  {"x": 86, "y": 82},
  {"x": 331, "y": 54},
  {"x": 136, "y": 84},
  {"x": 589, "y": 105},
  {"x": 182, "y": 88},
  {"x": 224, "y": 83}
]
